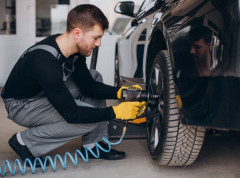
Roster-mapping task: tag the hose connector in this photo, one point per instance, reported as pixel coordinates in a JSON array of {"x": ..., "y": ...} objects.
[{"x": 125, "y": 127}]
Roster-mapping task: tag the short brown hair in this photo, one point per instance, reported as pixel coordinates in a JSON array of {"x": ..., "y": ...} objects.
[
  {"x": 201, "y": 32},
  {"x": 85, "y": 16}
]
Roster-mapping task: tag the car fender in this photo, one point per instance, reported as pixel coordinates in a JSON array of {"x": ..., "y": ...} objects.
[{"x": 158, "y": 41}]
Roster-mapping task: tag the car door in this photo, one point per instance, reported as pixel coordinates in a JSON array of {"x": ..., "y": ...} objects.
[{"x": 205, "y": 76}]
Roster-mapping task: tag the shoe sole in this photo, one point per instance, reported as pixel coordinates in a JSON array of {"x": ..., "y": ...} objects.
[{"x": 92, "y": 157}]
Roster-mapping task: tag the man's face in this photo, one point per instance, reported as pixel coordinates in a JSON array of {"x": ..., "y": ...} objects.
[
  {"x": 199, "y": 50},
  {"x": 89, "y": 39}
]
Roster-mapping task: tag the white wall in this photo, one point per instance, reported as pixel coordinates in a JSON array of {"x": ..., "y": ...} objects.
[
  {"x": 12, "y": 46},
  {"x": 74, "y": 3}
]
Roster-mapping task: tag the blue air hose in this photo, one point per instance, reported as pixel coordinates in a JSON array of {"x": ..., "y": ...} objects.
[{"x": 63, "y": 161}]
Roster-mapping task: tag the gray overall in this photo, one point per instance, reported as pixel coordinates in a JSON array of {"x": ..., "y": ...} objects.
[{"x": 47, "y": 129}]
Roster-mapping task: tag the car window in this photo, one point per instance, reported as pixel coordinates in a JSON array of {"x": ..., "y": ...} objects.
[
  {"x": 145, "y": 4},
  {"x": 119, "y": 25}
]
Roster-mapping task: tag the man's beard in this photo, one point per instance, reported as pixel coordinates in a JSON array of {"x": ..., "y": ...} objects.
[{"x": 85, "y": 53}]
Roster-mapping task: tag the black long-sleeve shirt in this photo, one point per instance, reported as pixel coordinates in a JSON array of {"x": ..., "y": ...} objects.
[{"x": 40, "y": 71}]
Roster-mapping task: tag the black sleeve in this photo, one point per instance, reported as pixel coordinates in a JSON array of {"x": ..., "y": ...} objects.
[
  {"x": 88, "y": 85},
  {"x": 50, "y": 78}
]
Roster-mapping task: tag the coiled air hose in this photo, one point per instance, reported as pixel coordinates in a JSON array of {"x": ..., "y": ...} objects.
[{"x": 63, "y": 161}]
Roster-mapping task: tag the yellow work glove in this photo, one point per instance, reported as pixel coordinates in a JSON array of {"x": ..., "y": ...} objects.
[
  {"x": 119, "y": 93},
  {"x": 129, "y": 110}
]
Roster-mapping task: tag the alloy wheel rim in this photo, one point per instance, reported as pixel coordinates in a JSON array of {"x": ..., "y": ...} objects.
[{"x": 155, "y": 108}]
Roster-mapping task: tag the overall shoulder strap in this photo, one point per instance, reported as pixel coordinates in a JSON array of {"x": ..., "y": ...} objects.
[
  {"x": 48, "y": 48},
  {"x": 55, "y": 53}
]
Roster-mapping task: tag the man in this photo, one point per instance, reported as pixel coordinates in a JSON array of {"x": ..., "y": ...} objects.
[
  {"x": 51, "y": 91},
  {"x": 200, "y": 49},
  {"x": 193, "y": 87}
]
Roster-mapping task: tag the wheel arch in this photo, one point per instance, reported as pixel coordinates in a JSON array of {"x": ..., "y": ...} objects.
[{"x": 157, "y": 43}]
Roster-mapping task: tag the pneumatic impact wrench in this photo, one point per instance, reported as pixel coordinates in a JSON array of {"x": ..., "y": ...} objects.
[{"x": 137, "y": 95}]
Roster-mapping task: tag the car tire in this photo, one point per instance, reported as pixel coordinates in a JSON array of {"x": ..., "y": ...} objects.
[{"x": 169, "y": 141}]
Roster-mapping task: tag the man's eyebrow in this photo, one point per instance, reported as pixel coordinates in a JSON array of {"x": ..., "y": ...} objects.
[{"x": 99, "y": 36}]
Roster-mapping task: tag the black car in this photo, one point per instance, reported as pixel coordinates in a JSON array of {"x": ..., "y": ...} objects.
[{"x": 188, "y": 53}]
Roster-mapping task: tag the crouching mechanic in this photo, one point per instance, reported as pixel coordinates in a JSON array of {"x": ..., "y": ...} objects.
[{"x": 51, "y": 91}]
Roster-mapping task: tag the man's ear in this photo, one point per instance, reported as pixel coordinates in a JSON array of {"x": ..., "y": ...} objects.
[{"x": 77, "y": 33}]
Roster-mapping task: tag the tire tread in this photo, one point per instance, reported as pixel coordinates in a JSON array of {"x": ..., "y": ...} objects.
[{"x": 182, "y": 143}]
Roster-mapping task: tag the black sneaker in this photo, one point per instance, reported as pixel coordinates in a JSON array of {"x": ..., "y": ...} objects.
[
  {"x": 112, "y": 155},
  {"x": 23, "y": 152}
]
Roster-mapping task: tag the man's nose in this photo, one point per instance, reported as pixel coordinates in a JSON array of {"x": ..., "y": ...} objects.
[
  {"x": 98, "y": 42},
  {"x": 192, "y": 50}
]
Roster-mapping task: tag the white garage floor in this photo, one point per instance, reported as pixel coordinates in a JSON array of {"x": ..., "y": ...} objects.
[{"x": 220, "y": 157}]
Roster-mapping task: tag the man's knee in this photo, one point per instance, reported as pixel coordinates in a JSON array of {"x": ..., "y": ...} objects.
[{"x": 96, "y": 75}]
